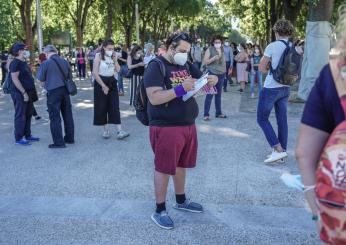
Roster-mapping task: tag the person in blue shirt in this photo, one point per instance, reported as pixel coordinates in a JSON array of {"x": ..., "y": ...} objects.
[
  {"x": 58, "y": 98},
  {"x": 23, "y": 94}
]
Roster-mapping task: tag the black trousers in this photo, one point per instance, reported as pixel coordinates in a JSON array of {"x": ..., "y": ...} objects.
[
  {"x": 4, "y": 73},
  {"x": 133, "y": 87},
  {"x": 106, "y": 107},
  {"x": 22, "y": 116},
  {"x": 58, "y": 101}
]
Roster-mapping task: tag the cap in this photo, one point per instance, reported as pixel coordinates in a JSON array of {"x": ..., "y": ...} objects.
[
  {"x": 50, "y": 49},
  {"x": 18, "y": 46}
]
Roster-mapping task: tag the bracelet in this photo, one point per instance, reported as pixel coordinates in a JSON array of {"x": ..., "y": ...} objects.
[
  {"x": 315, "y": 218},
  {"x": 179, "y": 91}
]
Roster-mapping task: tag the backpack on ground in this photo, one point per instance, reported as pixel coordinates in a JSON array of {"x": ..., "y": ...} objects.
[
  {"x": 141, "y": 98},
  {"x": 288, "y": 69},
  {"x": 331, "y": 175},
  {"x": 7, "y": 87}
]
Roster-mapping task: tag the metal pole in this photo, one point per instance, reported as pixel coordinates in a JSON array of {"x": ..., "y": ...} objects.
[
  {"x": 137, "y": 23},
  {"x": 39, "y": 26}
]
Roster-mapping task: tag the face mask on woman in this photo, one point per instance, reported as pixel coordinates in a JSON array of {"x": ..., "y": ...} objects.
[
  {"x": 257, "y": 51},
  {"x": 109, "y": 53},
  {"x": 180, "y": 58},
  {"x": 217, "y": 45}
]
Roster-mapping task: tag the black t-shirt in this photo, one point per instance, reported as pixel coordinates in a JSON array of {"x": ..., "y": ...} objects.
[
  {"x": 323, "y": 109},
  {"x": 25, "y": 75},
  {"x": 138, "y": 71},
  {"x": 176, "y": 112},
  {"x": 123, "y": 56}
]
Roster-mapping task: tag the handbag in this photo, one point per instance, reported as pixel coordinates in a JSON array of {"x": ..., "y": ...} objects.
[{"x": 69, "y": 83}]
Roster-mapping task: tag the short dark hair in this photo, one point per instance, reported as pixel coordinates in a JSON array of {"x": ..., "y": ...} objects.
[
  {"x": 105, "y": 44},
  {"x": 284, "y": 28},
  {"x": 175, "y": 38}
]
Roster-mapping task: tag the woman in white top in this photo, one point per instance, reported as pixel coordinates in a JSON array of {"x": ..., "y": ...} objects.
[{"x": 106, "y": 97}]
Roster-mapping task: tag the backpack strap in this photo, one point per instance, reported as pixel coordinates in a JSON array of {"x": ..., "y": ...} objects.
[
  {"x": 340, "y": 82},
  {"x": 284, "y": 42}
]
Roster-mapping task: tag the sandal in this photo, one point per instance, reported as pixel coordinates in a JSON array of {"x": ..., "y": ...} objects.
[
  {"x": 221, "y": 116},
  {"x": 206, "y": 119}
]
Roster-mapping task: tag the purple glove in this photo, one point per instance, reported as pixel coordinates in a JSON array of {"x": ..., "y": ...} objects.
[{"x": 179, "y": 91}]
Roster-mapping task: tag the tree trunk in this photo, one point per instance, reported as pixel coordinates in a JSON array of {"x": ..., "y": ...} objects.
[
  {"x": 25, "y": 14},
  {"x": 110, "y": 10},
  {"x": 266, "y": 4},
  {"x": 291, "y": 11},
  {"x": 79, "y": 31},
  {"x": 273, "y": 17},
  {"x": 317, "y": 44}
]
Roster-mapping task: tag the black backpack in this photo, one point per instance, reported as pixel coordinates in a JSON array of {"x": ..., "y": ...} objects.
[
  {"x": 141, "y": 98},
  {"x": 288, "y": 70}
]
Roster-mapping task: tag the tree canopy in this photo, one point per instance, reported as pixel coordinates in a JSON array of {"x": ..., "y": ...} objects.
[{"x": 87, "y": 21}]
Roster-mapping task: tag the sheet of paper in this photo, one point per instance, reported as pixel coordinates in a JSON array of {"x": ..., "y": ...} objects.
[{"x": 199, "y": 84}]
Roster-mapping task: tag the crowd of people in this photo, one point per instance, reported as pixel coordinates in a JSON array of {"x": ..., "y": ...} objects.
[{"x": 173, "y": 134}]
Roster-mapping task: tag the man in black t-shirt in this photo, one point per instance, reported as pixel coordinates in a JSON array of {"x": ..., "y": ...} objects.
[{"x": 173, "y": 133}]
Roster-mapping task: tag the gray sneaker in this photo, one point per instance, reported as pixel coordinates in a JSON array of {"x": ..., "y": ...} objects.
[
  {"x": 189, "y": 206},
  {"x": 122, "y": 135},
  {"x": 163, "y": 220}
]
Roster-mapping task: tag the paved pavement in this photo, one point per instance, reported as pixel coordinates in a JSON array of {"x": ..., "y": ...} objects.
[{"x": 101, "y": 191}]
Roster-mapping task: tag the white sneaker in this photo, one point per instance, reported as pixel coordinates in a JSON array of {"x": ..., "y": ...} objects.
[
  {"x": 252, "y": 96},
  {"x": 122, "y": 135},
  {"x": 106, "y": 134},
  {"x": 276, "y": 156}
]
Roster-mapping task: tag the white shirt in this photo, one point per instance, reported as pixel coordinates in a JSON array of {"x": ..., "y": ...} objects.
[
  {"x": 274, "y": 51},
  {"x": 107, "y": 67}
]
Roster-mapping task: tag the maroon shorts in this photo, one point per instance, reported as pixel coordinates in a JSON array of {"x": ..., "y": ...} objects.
[{"x": 174, "y": 147}]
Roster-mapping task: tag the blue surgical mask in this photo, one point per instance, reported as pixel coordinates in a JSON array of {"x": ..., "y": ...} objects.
[{"x": 292, "y": 181}]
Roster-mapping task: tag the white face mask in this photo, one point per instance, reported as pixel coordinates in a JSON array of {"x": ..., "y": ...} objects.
[
  {"x": 118, "y": 54},
  {"x": 180, "y": 58},
  {"x": 218, "y": 45},
  {"x": 257, "y": 51},
  {"x": 26, "y": 54},
  {"x": 226, "y": 43},
  {"x": 109, "y": 53},
  {"x": 138, "y": 56}
]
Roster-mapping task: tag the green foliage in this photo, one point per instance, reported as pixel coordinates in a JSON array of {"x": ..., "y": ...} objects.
[{"x": 10, "y": 25}]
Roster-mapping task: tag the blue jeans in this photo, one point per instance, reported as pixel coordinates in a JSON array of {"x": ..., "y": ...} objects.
[
  {"x": 59, "y": 102},
  {"x": 209, "y": 97},
  {"x": 122, "y": 73},
  {"x": 22, "y": 115},
  {"x": 227, "y": 77},
  {"x": 277, "y": 98},
  {"x": 255, "y": 74}
]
